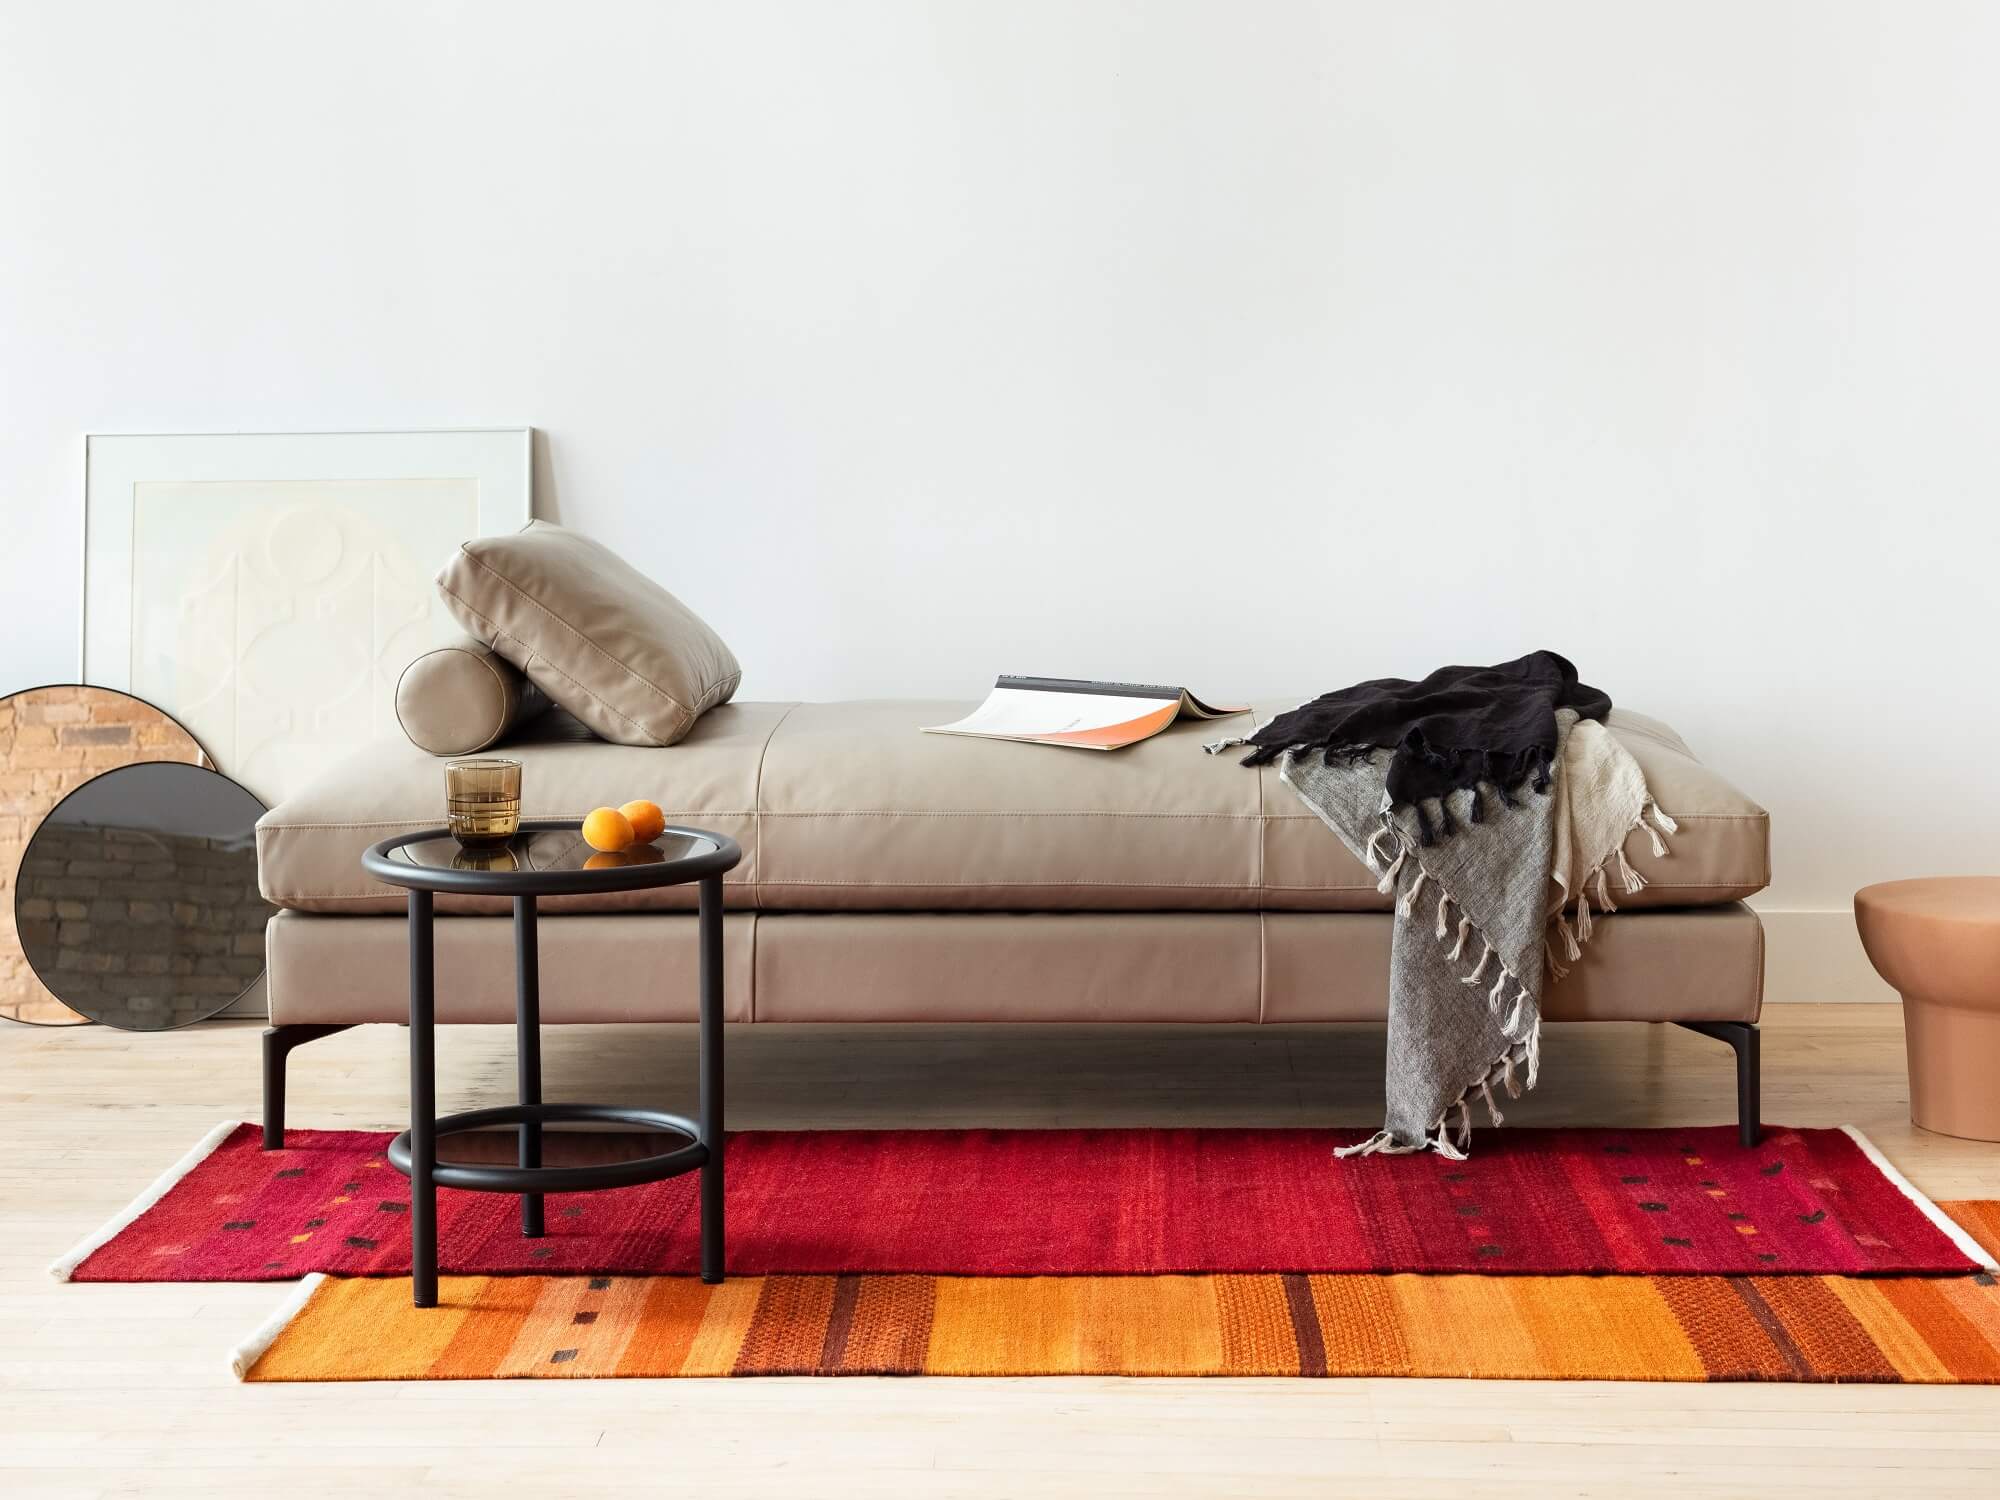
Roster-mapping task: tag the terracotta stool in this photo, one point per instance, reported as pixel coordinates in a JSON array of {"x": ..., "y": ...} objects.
[{"x": 1938, "y": 942}]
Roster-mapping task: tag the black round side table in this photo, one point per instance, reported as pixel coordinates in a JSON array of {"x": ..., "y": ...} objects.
[{"x": 549, "y": 859}]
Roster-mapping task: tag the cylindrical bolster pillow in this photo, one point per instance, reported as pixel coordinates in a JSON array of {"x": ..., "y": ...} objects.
[{"x": 459, "y": 699}]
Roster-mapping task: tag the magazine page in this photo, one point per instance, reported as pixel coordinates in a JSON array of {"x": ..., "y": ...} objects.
[{"x": 1086, "y": 715}]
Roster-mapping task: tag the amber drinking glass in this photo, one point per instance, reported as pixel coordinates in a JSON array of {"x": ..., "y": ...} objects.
[{"x": 483, "y": 801}]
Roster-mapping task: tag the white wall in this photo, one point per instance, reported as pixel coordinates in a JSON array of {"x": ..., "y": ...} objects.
[{"x": 1258, "y": 346}]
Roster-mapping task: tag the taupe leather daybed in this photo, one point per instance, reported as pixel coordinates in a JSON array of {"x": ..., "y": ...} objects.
[{"x": 889, "y": 875}]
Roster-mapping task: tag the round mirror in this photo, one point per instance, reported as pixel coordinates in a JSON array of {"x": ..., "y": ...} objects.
[
  {"x": 52, "y": 740},
  {"x": 137, "y": 898}
]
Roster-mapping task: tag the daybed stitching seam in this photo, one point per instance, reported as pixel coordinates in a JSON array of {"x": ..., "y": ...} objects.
[
  {"x": 397, "y": 893},
  {"x": 1136, "y": 885},
  {"x": 891, "y": 812},
  {"x": 421, "y": 823},
  {"x": 1151, "y": 885},
  {"x": 1004, "y": 812},
  {"x": 757, "y": 786},
  {"x": 418, "y": 822},
  {"x": 1679, "y": 817},
  {"x": 393, "y": 893},
  {"x": 1651, "y": 884}
]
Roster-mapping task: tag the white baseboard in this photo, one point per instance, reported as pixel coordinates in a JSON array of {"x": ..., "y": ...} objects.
[{"x": 1817, "y": 955}]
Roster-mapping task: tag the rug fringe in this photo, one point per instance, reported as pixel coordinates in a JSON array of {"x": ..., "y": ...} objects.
[
  {"x": 1964, "y": 1243},
  {"x": 64, "y": 1266},
  {"x": 243, "y": 1358}
]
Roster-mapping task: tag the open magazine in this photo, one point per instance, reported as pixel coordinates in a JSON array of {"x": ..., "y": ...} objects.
[{"x": 1087, "y": 715}]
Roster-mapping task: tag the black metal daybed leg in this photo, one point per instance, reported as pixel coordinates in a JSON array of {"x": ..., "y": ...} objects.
[
  {"x": 278, "y": 1044},
  {"x": 1743, "y": 1040}
]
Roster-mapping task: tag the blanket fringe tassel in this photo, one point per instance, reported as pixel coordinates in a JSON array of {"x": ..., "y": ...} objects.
[
  {"x": 1452, "y": 1140},
  {"x": 1409, "y": 902},
  {"x": 1381, "y": 1143},
  {"x": 1388, "y": 881},
  {"x": 1371, "y": 855},
  {"x": 1557, "y": 968},
  {"x": 1653, "y": 822},
  {"x": 1661, "y": 824},
  {"x": 1478, "y": 975},
  {"x": 1521, "y": 1063}
]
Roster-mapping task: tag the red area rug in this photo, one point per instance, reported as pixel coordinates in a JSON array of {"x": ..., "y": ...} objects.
[{"x": 1069, "y": 1202}]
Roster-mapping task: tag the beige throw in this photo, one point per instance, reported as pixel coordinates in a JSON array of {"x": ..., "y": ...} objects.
[
  {"x": 1600, "y": 796},
  {"x": 1480, "y": 914}
]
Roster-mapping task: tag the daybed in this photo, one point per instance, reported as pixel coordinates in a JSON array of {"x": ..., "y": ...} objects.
[{"x": 889, "y": 875}]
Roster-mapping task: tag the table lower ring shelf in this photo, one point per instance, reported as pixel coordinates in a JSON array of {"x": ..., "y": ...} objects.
[{"x": 496, "y": 1178}]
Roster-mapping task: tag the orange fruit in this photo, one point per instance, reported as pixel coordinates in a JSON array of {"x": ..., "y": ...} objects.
[
  {"x": 608, "y": 829},
  {"x": 647, "y": 821}
]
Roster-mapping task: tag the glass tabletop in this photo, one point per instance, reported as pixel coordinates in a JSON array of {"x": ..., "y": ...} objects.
[{"x": 546, "y": 852}]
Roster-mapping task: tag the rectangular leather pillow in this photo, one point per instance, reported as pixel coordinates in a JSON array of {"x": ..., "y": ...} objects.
[{"x": 599, "y": 637}]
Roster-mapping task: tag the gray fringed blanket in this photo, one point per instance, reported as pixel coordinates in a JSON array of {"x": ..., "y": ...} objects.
[{"x": 1480, "y": 912}]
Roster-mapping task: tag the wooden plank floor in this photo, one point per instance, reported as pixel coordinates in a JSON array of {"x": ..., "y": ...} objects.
[{"x": 122, "y": 1390}]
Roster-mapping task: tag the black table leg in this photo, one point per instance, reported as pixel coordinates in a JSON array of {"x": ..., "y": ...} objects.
[
  {"x": 528, "y": 1048},
  {"x": 709, "y": 1110},
  {"x": 423, "y": 1105}
]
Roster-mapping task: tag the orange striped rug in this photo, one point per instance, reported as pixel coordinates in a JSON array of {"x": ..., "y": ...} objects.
[{"x": 1940, "y": 1330}]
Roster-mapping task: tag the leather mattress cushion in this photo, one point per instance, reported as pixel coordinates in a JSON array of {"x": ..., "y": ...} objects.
[{"x": 847, "y": 807}]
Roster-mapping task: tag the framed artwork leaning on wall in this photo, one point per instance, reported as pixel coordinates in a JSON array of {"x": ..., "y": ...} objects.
[{"x": 267, "y": 589}]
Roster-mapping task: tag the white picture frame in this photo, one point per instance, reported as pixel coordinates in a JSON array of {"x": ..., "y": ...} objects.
[{"x": 267, "y": 589}]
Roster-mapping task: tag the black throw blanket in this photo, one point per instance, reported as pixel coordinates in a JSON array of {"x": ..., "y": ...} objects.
[{"x": 1459, "y": 727}]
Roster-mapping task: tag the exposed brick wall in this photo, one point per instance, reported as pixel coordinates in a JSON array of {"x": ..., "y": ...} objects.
[
  {"x": 52, "y": 740},
  {"x": 145, "y": 929}
]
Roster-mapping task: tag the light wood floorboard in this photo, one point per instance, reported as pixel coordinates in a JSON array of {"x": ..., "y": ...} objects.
[{"x": 122, "y": 1390}]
